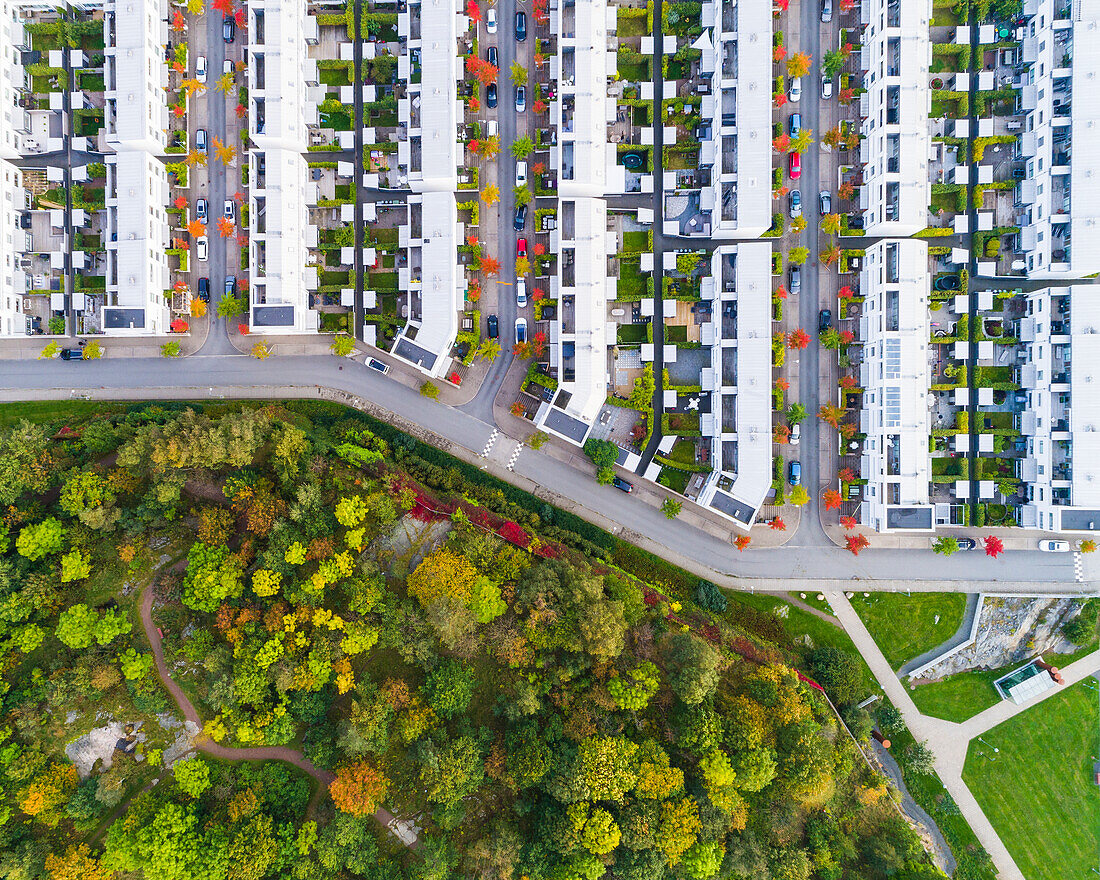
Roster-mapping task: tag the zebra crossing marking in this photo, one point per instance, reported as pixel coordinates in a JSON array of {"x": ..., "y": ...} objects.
[
  {"x": 515, "y": 455},
  {"x": 489, "y": 444}
]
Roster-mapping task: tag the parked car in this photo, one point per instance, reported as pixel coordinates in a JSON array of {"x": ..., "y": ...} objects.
[
  {"x": 491, "y": 95},
  {"x": 521, "y": 26},
  {"x": 796, "y": 433},
  {"x": 521, "y": 247},
  {"x": 521, "y": 173},
  {"x": 796, "y": 279},
  {"x": 200, "y": 68},
  {"x": 200, "y": 140},
  {"x": 491, "y": 56},
  {"x": 521, "y": 99},
  {"x": 826, "y": 87},
  {"x": 521, "y": 218},
  {"x": 229, "y": 28},
  {"x": 620, "y": 483},
  {"x": 825, "y": 202},
  {"x": 521, "y": 293},
  {"x": 227, "y": 66},
  {"x": 202, "y": 248},
  {"x": 200, "y": 210},
  {"x": 794, "y": 473},
  {"x": 204, "y": 289},
  {"x": 795, "y": 203},
  {"x": 794, "y": 124},
  {"x": 521, "y": 330},
  {"x": 826, "y": 11},
  {"x": 377, "y": 365},
  {"x": 229, "y": 211},
  {"x": 72, "y": 354},
  {"x": 491, "y": 20},
  {"x": 494, "y": 327},
  {"x": 230, "y": 285},
  {"x": 795, "y": 164},
  {"x": 795, "y": 93},
  {"x": 824, "y": 320},
  {"x": 967, "y": 543},
  {"x": 1054, "y": 546}
]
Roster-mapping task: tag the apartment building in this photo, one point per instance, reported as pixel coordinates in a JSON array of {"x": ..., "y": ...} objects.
[
  {"x": 135, "y": 75},
  {"x": 1060, "y": 373},
  {"x": 13, "y": 241},
  {"x": 738, "y": 381},
  {"x": 735, "y": 155},
  {"x": 284, "y": 95},
  {"x": 895, "y": 376},
  {"x": 894, "y": 56},
  {"x": 1059, "y": 198}
]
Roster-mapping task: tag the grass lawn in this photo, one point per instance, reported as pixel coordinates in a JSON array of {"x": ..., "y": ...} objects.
[
  {"x": 905, "y": 626},
  {"x": 1038, "y": 791},
  {"x": 635, "y": 242}
]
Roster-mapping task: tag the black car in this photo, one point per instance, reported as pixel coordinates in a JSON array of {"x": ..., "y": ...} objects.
[
  {"x": 72, "y": 354},
  {"x": 491, "y": 95},
  {"x": 521, "y": 218},
  {"x": 620, "y": 483},
  {"x": 824, "y": 320},
  {"x": 521, "y": 26},
  {"x": 494, "y": 327},
  {"x": 491, "y": 56},
  {"x": 230, "y": 285},
  {"x": 204, "y": 289},
  {"x": 229, "y": 28},
  {"x": 967, "y": 543}
]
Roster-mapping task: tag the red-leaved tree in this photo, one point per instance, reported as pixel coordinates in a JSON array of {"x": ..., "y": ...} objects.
[
  {"x": 831, "y": 497},
  {"x": 778, "y": 525},
  {"x": 994, "y": 546},
  {"x": 741, "y": 542},
  {"x": 849, "y": 522},
  {"x": 856, "y": 543},
  {"x": 798, "y": 339}
]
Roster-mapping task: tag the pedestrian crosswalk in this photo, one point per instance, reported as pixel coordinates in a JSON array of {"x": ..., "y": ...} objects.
[
  {"x": 1078, "y": 566},
  {"x": 489, "y": 443},
  {"x": 515, "y": 455}
]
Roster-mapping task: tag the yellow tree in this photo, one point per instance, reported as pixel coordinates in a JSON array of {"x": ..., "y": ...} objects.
[
  {"x": 225, "y": 152},
  {"x": 523, "y": 266},
  {"x": 198, "y": 309},
  {"x": 261, "y": 351},
  {"x": 191, "y": 86},
  {"x": 196, "y": 158},
  {"x": 491, "y": 194},
  {"x": 225, "y": 83},
  {"x": 830, "y": 224},
  {"x": 798, "y": 64},
  {"x": 488, "y": 147},
  {"x": 196, "y": 7}
]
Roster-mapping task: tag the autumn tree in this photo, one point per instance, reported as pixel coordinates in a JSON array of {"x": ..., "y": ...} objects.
[
  {"x": 855, "y": 544},
  {"x": 798, "y": 64},
  {"x": 358, "y": 788},
  {"x": 484, "y": 72},
  {"x": 831, "y": 414},
  {"x": 523, "y": 267},
  {"x": 994, "y": 546},
  {"x": 831, "y": 138},
  {"x": 799, "y": 496},
  {"x": 224, "y": 152},
  {"x": 798, "y": 339},
  {"x": 741, "y": 542},
  {"x": 830, "y": 256},
  {"x": 226, "y": 227},
  {"x": 832, "y": 500},
  {"x": 196, "y": 228},
  {"x": 693, "y": 667},
  {"x": 781, "y": 143},
  {"x": 225, "y": 84},
  {"x": 801, "y": 142},
  {"x": 830, "y": 224},
  {"x": 194, "y": 157},
  {"x": 798, "y": 255},
  {"x": 491, "y": 194}
]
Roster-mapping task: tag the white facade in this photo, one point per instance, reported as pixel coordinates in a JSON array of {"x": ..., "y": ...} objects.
[
  {"x": 136, "y": 237},
  {"x": 284, "y": 96},
  {"x": 15, "y": 122},
  {"x": 1060, "y": 197},
  {"x": 430, "y": 152},
  {"x": 739, "y": 380},
  {"x": 1061, "y": 424},
  {"x": 896, "y": 141},
  {"x": 738, "y": 150},
  {"x": 895, "y": 375},
  {"x": 136, "y": 74},
  {"x": 14, "y": 242}
]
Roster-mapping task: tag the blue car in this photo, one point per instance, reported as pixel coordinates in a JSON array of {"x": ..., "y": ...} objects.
[{"x": 795, "y": 473}]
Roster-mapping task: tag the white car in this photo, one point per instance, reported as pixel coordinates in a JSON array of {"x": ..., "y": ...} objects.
[
  {"x": 826, "y": 87},
  {"x": 521, "y": 173},
  {"x": 1054, "y": 546},
  {"x": 795, "y": 94},
  {"x": 202, "y": 248},
  {"x": 229, "y": 211},
  {"x": 377, "y": 365},
  {"x": 796, "y": 433},
  {"x": 521, "y": 292},
  {"x": 521, "y": 330},
  {"x": 227, "y": 66},
  {"x": 200, "y": 68},
  {"x": 491, "y": 20}
]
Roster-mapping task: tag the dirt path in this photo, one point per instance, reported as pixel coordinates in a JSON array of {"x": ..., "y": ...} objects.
[{"x": 256, "y": 753}]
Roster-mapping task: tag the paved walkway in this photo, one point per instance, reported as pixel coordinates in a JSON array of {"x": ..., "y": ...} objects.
[{"x": 256, "y": 753}]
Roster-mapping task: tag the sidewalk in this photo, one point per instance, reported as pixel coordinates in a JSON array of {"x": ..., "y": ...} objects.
[{"x": 28, "y": 348}]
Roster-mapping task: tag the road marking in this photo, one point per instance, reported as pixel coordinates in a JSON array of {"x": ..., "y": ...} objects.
[
  {"x": 1078, "y": 566},
  {"x": 515, "y": 455},
  {"x": 489, "y": 444}
]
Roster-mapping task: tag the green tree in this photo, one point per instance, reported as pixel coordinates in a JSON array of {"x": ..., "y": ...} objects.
[
  {"x": 710, "y": 596},
  {"x": 798, "y": 255},
  {"x": 192, "y": 776},
  {"x": 796, "y": 413},
  {"x": 519, "y": 74},
  {"x": 679, "y": 825},
  {"x": 213, "y": 575},
  {"x": 76, "y": 626},
  {"x": 110, "y": 625},
  {"x": 135, "y": 666},
  {"x": 606, "y": 768},
  {"x": 429, "y": 389},
  {"x": 799, "y": 496},
  {"x": 920, "y": 758},
  {"x": 604, "y": 454},
  {"x": 945, "y": 546},
  {"x": 522, "y": 147},
  {"x": 641, "y": 396},
  {"x": 342, "y": 345},
  {"x": 75, "y": 566},
  {"x": 41, "y": 539},
  {"x": 449, "y": 688},
  {"x": 671, "y": 508},
  {"x": 634, "y": 689},
  {"x": 693, "y": 667},
  {"x": 451, "y": 771},
  {"x": 522, "y": 196},
  {"x": 171, "y": 350},
  {"x": 703, "y": 860},
  {"x": 25, "y": 461},
  {"x": 597, "y": 831},
  {"x": 838, "y": 671},
  {"x": 231, "y": 306},
  {"x": 88, "y": 496}
]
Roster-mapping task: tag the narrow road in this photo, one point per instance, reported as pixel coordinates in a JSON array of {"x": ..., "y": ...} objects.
[{"x": 255, "y": 753}]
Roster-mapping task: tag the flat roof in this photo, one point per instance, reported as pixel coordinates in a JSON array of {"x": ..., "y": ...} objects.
[
  {"x": 562, "y": 423},
  {"x": 272, "y": 316},
  {"x": 730, "y": 506},
  {"x": 115, "y": 318},
  {"x": 909, "y": 517},
  {"x": 410, "y": 351}
]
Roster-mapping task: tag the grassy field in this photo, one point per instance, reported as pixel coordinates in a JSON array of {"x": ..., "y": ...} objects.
[
  {"x": 1038, "y": 791},
  {"x": 957, "y": 697},
  {"x": 905, "y": 626}
]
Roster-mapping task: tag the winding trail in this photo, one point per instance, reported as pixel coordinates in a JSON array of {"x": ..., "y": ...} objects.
[{"x": 254, "y": 753}]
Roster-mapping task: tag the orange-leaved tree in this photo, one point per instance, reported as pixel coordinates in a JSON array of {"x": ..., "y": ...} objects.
[
  {"x": 741, "y": 542},
  {"x": 225, "y": 227},
  {"x": 798, "y": 339},
  {"x": 358, "y": 788},
  {"x": 855, "y": 543},
  {"x": 798, "y": 64},
  {"x": 831, "y": 497},
  {"x": 197, "y": 228}
]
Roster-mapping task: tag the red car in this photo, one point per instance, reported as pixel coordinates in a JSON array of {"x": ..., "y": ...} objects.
[
  {"x": 521, "y": 247},
  {"x": 796, "y": 166}
]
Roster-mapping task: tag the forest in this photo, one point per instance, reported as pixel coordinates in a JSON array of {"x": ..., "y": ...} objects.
[{"x": 359, "y": 627}]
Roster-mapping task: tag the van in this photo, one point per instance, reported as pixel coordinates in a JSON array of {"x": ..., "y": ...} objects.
[{"x": 491, "y": 128}]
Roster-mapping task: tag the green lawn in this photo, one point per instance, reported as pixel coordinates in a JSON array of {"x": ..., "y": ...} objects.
[
  {"x": 1038, "y": 790},
  {"x": 905, "y": 626}
]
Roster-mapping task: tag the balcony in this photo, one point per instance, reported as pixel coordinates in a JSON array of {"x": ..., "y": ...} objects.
[{"x": 729, "y": 59}]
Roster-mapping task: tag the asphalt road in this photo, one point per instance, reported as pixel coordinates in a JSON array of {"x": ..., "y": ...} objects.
[{"x": 801, "y": 564}]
